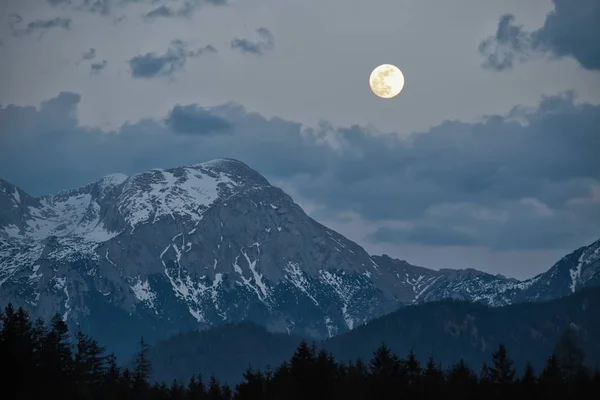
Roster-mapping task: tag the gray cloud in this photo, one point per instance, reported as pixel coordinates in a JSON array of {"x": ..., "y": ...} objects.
[
  {"x": 572, "y": 29},
  {"x": 101, "y": 7},
  {"x": 58, "y": 2},
  {"x": 185, "y": 10},
  {"x": 192, "y": 119},
  {"x": 97, "y": 67},
  {"x": 265, "y": 43},
  {"x": 89, "y": 55},
  {"x": 498, "y": 183},
  {"x": 152, "y": 65},
  {"x": 38, "y": 25}
]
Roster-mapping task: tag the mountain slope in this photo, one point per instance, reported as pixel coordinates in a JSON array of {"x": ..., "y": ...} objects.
[
  {"x": 576, "y": 271},
  {"x": 170, "y": 250},
  {"x": 166, "y": 251},
  {"x": 447, "y": 330}
]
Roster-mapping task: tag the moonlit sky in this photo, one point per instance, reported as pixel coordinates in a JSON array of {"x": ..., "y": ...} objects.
[{"x": 488, "y": 158}]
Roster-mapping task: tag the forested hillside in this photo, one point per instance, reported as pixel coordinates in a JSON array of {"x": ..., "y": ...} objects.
[{"x": 39, "y": 361}]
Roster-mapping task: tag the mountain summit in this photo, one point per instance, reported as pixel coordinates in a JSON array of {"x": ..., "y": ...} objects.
[{"x": 170, "y": 250}]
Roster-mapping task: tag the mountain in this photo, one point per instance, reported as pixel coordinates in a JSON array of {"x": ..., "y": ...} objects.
[
  {"x": 171, "y": 250},
  {"x": 578, "y": 270},
  {"x": 448, "y": 330},
  {"x": 167, "y": 251}
]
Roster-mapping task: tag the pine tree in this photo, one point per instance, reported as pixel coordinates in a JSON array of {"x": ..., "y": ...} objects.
[
  {"x": 125, "y": 384},
  {"x": 57, "y": 353},
  {"x": 196, "y": 389},
  {"x": 111, "y": 378},
  {"x": 461, "y": 378},
  {"x": 413, "y": 368},
  {"x": 226, "y": 392},
  {"x": 552, "y": 374},
  {"x": 214, "y": 389},
  {"x": 17, "y": 350},
  {"x": 325, "y": 375},
  {"x": 302, "y": 371},
  {"x": 384, "y": 373},
  {"x": 432, "y": 380},
  {"x": 141, "y": 373},
  {"x": 253, "y": 386},
  {"x": 528, "y": 381},
  {"x": 569, "y": 355},
  {"x": 89, "y": 362},
  {"x": 551, "y": 378},
  {"x": 503, "y": 371},
  {"x": 176, "y": 391}
]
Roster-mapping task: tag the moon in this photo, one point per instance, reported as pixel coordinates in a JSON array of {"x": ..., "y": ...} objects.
[{"x": 386, "y": 81}]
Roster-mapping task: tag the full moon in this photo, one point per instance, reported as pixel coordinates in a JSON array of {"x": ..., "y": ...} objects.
[{"x": 386, "y": 81}]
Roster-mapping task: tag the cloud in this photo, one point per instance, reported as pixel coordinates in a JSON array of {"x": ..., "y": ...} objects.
[
  {"x": 38, "y": 25},
  {"x": 265, "y": 43},
  {"x": 152, "y": 65},
  {"x": 97, "y": 67},
  {"x": 58, "y": 2},
  {"x": 185, "y": 10},
  {"x": 571, "y": 29},
  {"x": 497, "y": 183},
  {"x": 101, "y": 7},
  {"x": 89, "y": 55},
  {"x": 192, "y": 119}
]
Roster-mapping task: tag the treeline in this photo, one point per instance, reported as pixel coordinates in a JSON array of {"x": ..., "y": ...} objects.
[{"x": 44, "y": 361}]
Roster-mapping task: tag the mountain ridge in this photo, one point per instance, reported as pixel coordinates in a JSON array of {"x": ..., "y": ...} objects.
[{"x": 191, "y": 247}]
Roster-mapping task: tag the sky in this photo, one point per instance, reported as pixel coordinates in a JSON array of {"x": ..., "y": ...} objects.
[{"x": 487, "y": 159}]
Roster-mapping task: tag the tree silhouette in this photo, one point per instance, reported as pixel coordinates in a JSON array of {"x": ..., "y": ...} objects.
[
  {"x": 40, "y": 362},
  {"x": 569, "y": 355},
  {"x": 503, "y": 371},
  {"x": 142, "y": 371}
]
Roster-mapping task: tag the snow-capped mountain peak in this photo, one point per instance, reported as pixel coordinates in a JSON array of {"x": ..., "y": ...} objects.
[{"x": 172, "y": 249}]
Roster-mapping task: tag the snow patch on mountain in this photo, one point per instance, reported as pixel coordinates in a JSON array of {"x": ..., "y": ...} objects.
[
  {"x": 143, "y": 292},
  {"x": 296, "y": 277}
]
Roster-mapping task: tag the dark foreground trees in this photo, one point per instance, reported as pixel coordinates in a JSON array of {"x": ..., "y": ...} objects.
[{"x": 42, "y": 361}]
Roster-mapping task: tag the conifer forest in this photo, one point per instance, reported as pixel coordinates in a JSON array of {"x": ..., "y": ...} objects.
[{"x": 42, "y": 359}]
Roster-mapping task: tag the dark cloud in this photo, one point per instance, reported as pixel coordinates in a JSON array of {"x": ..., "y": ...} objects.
[
  {"x": 184, "y": 10},
  {"x": 58, "y": 2},
  {"x": 89, "y": 55},
  {"x": 498, "y": 183},
  {"x": 152, "y": 65},
  {"x": 97, "y": 67},
  {"x": 38, "y": 25},
  {"x": 572, "y": 29},
  {"x": 192, "y": 119},
  {"x": 101, "y": 7},
  {"x": 265, "y": 43}
]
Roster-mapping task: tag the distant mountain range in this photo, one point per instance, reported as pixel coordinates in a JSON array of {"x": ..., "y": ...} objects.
[
  {"x": 168, "y": 251},
  {"x": 447, "y": 330}
]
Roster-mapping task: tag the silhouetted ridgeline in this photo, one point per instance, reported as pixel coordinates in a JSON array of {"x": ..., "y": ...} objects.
[
  {"x": 39, "y": 361},
  {"x": 447, "y": 330}
]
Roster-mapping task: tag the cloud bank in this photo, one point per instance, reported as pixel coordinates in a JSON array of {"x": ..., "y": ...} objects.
[
  {"x": 572, "y": 29},
  {"x": 527, "y": 179}
]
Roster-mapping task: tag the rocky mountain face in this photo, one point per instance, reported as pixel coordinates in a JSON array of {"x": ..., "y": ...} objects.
[
  {"x": 577, "y": 270},
  {"x": 166, "y": 251}
]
